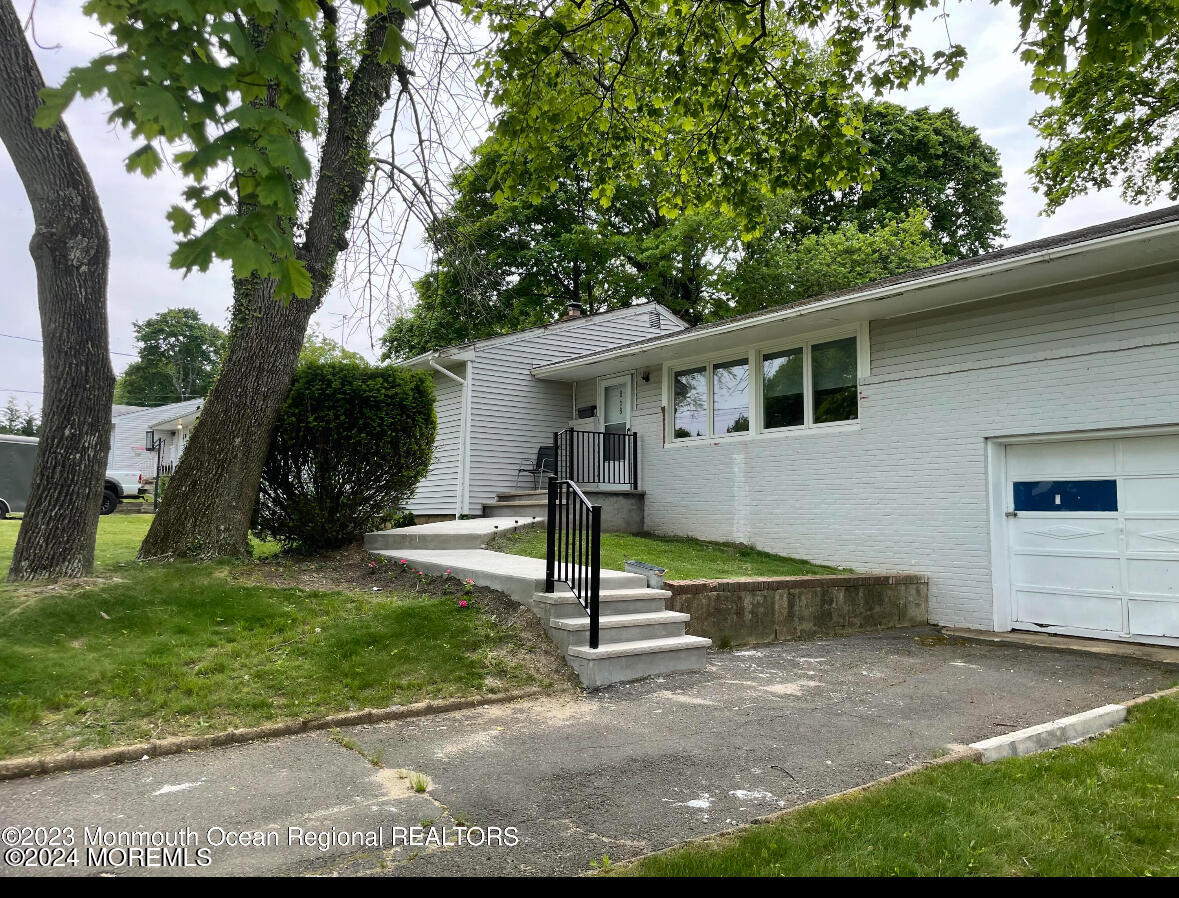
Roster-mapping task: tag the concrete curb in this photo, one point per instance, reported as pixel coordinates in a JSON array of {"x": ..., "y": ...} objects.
[
  {"x": 16, "y": 768},
  {"x": 1060, "y": 732},
  {"x": 1053, "y": 734},
  {"x": 957, "y": 754}
]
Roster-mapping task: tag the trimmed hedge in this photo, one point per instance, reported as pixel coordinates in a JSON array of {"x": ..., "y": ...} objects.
[{"x": 351, "y": 441}]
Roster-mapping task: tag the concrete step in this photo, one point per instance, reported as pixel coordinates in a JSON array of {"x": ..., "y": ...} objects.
[
  {"x": 638, "y": 637},
  {"x": 622, "y": 661},
  {"x": 615, "y": 628},
  {"x": 541, "y": 495},
  {"x": 516, "y": 509},
  {"x": 523, "y": 496},
  {"x": 469, "y": 534},
  {"x": 610, "y": 602}
]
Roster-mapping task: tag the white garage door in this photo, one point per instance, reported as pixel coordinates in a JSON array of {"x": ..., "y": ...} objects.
[{"x": 1093, "y": 537}]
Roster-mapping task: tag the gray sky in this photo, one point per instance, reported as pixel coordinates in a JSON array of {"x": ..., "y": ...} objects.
[{"x": 991, "y": 94}]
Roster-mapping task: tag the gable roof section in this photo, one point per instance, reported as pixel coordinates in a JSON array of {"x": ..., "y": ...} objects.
[
  {"x": 1083, "y": 242},
  {"x": 146, "y": 417},
  {"x": 474, "y": 345},
  {"x": 177, "y": 412}
]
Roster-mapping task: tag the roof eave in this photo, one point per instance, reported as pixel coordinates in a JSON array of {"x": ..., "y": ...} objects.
[{"x": 578, "y": 366}]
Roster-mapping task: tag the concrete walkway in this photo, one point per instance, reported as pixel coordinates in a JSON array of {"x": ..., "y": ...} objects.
[
  {"x": 472, "y": 533},
  {"x": 516, "y": 575},
  {"x": 644, "y": 637},
  {"x": 631, "y": 768}
]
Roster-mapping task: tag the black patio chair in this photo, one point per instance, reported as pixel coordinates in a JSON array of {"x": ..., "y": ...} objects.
[{"x": 546, "y": 464}]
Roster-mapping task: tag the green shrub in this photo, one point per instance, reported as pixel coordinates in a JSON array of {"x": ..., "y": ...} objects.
[
  {"x": 399, "y": 517},
  {"x": 351, "y": 441}
]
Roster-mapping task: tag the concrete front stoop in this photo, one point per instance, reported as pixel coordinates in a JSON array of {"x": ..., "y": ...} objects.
[
  {"x": 622, "y": 509},
  {"x": 637, "y": 635}
]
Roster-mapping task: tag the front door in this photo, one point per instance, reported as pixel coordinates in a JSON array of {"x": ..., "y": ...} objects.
[{"x": 615, "y": 403}]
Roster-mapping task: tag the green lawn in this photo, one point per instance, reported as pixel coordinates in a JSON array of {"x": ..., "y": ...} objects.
[
  {"x": 119, "y": 536},
  {"x": 149, "y": 651},
  {"x": 684, "y": 558},
  {"x": 1108, "y": 807}
]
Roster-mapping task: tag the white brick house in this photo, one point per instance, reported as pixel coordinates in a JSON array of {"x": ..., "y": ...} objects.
[{"x": 1007, "y": 424}]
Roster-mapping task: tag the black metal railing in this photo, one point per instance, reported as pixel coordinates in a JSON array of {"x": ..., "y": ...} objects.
[
  {"x": 597, "y": 456},
  {"x": 573, "y": 554}
]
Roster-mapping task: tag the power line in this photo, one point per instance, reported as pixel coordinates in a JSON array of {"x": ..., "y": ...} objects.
[
  {"x": 168, "y": 399},
  {"x": 34, "y": 340}
]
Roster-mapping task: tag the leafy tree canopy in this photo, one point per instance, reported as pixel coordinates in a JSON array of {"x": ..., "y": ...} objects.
[
  {"x": 727, "y": 95},
  {"x": 1109, "y": 69},
  {"x": 224, "y": 85},
  {"x": 723, "y": 93},
  {"x": 506, "y": 265},
  {"x": 319, "y": 349},
  {"x": 179, "y": 355},
  {"x": 920, "y": 159},
  {"x": 779, "y": 269},
  {"x": 501, "y": 266},
  {"x": 1111, "y": 125}
]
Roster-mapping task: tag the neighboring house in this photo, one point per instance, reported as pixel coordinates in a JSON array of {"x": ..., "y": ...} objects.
[
  {"x": 1007, "y": 424},
  {"x": 493, "y": 414},
  {"x": 131, "y": 447}
]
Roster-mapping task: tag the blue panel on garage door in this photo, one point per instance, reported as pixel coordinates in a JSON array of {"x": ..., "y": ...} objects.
[{"x": 1066, "y": 495}]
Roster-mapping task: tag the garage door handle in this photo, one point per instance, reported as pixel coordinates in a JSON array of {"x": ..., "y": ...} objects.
[{"x": 1012, "y": 514}]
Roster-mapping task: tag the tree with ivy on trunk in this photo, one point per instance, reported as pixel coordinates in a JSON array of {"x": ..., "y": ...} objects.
[
  {"x": 71, "y": 252},
  {"x": 723, "y": 92},
  {"x": 225, "y": 82}
]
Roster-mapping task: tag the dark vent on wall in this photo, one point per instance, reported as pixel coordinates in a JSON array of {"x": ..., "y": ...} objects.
[{"x": 655, "y": 320}]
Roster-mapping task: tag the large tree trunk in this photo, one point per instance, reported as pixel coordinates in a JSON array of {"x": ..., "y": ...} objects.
[
  {"x": 210, "y": 500},
  {"x": 71, "y": 252}
]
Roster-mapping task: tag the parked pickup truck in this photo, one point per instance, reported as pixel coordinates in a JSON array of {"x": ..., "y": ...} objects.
[
  {"x": 16, "y": 474},
  {"x": 119, "y": 485}
]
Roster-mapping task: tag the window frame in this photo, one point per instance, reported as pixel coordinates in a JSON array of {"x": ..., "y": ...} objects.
[
  {"x": 754, "y": 354},
  {"x": 707, "y": 364}
]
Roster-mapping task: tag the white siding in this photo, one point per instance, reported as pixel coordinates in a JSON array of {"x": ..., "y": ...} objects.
[
  {"x": 586, "y": 393},
  {"x": 513, "y": 414},
  {"x": 1101, "y": 315},
  {"x": 438, "y": 492},
  {"x": 907, "y": 490}
]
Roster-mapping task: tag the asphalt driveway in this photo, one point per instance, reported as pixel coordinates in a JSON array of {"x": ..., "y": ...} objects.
[{"x": 620, "y": 772}]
